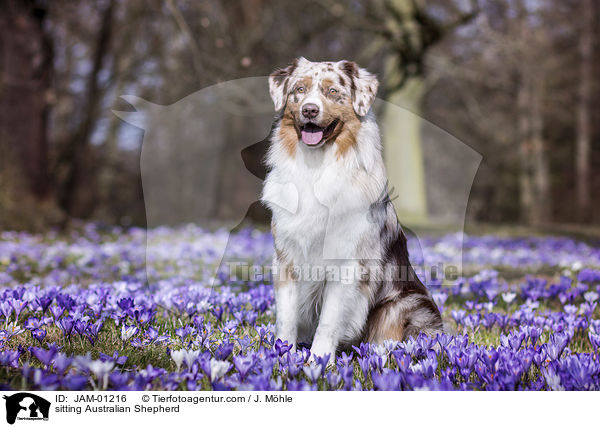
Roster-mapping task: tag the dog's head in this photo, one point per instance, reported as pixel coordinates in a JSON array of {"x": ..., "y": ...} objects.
[{"x": 322, "y": 101}]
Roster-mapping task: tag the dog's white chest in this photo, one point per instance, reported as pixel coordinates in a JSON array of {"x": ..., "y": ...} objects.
[
  {"x": 299, "y": 216},
  {"x": 318, "y": 214}
]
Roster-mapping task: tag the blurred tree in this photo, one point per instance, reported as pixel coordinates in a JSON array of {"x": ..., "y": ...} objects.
[
  {"x": 74, "y": 155},
  {"x": 512, "y": 73},
  {"x": 406, "y": 30},
  {"x": 26, "y": 56},
  {"x": 584, "y": 130}
]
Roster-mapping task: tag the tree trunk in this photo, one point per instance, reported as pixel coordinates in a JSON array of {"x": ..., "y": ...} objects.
[
  {"x": 541, "y": 212},
  {"x": 76, "y": 153},
  {"x": 582, "y": 149},
  {"x": 401, "y": 131},
  {"x": 26, "y": 55},
  {"x": 526, "y": 197}
]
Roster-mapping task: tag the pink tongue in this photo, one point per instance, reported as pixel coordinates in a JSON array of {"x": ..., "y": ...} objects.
[{"x": 312, "y": 138}]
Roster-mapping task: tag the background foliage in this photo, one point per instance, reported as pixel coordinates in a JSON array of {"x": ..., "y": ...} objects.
[{"x": 513, "y": 79}]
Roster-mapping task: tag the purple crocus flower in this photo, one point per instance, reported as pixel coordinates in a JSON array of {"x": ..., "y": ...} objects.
[
  {"x": 45, "y": 380},
  {"x": 244, "y": 365},
  {"x": 534, "y": 334},
  {"x": 245, "y": 342},
  {"x": 444, "y": 340},
  {"x": 347, "y": 372},
  {"x": 363, "y": 349},
  {"x": 558, "y": 342},
  {"x": 365, "y": 365},
  {"x": 74, "y": 382},
  {"x": 313, "y": 372},
  {"x": 18, "y": 306},
  {"x": 10, "y": 358},
  {"x": 223, "y": 351},
  {"x": 515, "y": 339},
  {"x": 387, "y": 381},
  {"x": 183, "y": 332},
  {"x": 300, "y": 385},
  {"x": 489, "y": 358},
  {"x": 125, "y": 304},
  {"x": 64, "y": 300},
  {"x": 44, "y": 303},
  {"x": 230, "y": 327},
  {"x": 119, "y": 380},
  {"x": 333, "y": 379},
  {"x": 6, "y": 309},
  {"x": 323, "y": 361},
  {"x": 144, "y": 316},
  {"x": 61, "y": 362},
  {"x": 218, "y": 312},
  {"x": 345, "y": 359},
  {"x": 66, "y": 326},
  {"x": 378, "y": 362},
  {"x": 32, "y": 323},
  {"x": 118, "y": 360},
  {"x": 57, "y": 311},
  {"x": 39, "y": 334},
  {"x": 79, "y": 326},
  {"x": 458, "y": 316},
  {"x": 403, "y": 360},
  {"x": 93, "y": 330},
  {"x": 295, "y": 362},
  {"x": 461, "y": 340},
  {"x": 43, "y": 355},
  {"x": 282, "y": 347},
  {"x": 502, "y": 321},
  {"x": 595, "y": 341}
]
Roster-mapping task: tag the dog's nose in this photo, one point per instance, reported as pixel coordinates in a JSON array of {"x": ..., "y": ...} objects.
[{"x": 310, "y": 111}]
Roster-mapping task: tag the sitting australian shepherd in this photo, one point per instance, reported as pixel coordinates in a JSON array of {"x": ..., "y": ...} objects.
[{"x": 326, "y": 144}]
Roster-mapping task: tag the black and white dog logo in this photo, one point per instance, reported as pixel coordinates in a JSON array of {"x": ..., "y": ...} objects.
[{"x": 26, "y": 406}]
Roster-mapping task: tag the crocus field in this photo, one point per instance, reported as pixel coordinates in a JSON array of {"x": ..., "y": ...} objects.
[{"x": 109, "y": 308}]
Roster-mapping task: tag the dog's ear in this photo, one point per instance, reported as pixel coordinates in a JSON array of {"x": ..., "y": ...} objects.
[
  {"x": 364, "y": 86},
  {"x": 279, "y": 84}
]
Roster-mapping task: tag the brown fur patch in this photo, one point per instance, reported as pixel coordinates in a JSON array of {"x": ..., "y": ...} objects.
[
  {"x": 326, "y": 83},
  {"x": 306, "y": 82},
  {"x": 347, "y": 137},
  {"x": 351, "y": 70},
  {"x": 288, "y": 133},
  {"x": 381, "y": 328}
]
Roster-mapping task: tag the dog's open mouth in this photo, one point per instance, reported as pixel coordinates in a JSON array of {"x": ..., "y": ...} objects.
[{"x": 312, "y": 134}]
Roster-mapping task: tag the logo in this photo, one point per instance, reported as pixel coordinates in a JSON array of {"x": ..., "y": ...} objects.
[{"x": 26, "y": 406}]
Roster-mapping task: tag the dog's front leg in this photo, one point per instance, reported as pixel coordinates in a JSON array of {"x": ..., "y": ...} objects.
[
  {"x": 286, "y": 300},
  {"x": 344, "y": 313},
  {"x": 331, "y": 321}
]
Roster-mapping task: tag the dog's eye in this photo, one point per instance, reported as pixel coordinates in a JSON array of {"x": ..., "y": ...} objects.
[
  {"x": 333, "y": 91},
  {"x": 300, "y": 89}
]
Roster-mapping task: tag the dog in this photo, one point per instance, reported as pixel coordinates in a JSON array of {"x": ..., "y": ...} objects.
[{"x": 325, "y": 146}]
